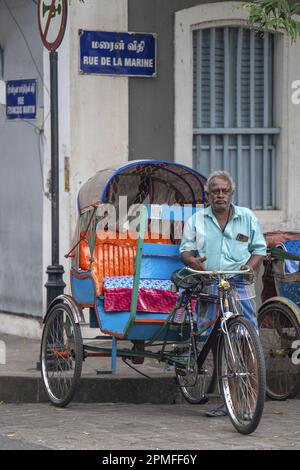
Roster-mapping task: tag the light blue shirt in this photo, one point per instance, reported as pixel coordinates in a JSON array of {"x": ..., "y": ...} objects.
[{"x": 227, "y": 250}]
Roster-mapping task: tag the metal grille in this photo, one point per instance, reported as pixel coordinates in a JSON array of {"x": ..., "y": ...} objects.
[{"x": 233, "y": 111}]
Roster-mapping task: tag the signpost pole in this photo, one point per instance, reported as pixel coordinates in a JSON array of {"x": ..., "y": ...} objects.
[
  {"x": 55, "y": 284},
  {"x": 52, "y": 18}
]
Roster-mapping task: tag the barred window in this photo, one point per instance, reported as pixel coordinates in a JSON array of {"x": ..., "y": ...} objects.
[{"x": 233, "y": 111}]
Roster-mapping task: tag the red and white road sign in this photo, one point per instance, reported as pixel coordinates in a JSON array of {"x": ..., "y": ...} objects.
[{"x": 52, "y": 19}]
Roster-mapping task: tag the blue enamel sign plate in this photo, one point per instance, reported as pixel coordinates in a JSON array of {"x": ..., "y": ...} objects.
[
  {"x": 21, "y": 99},
  {"x": 112, "y": 53}
]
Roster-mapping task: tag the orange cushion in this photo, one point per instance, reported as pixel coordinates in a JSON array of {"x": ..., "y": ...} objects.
[
  {"x": 109, "y": 260},
  {"x": 113, "y": 255}
]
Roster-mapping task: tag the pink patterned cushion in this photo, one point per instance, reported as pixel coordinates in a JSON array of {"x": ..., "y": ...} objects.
[{"x": 149, "y": 300}]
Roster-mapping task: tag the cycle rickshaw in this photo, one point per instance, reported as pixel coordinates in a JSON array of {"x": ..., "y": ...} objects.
[
  {"x": 122, "y": 264},
  {"x": 279, "y": 315}
]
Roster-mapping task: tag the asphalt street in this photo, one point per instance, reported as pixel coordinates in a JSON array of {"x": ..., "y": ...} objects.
[
  {"x": 102, "y": 426},
  {"x": 7, "y": 443}
]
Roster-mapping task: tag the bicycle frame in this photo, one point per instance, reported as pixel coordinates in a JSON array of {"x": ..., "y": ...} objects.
[{"x": 224, "y": 313}]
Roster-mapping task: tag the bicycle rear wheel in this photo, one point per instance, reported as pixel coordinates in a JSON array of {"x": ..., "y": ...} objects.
[
  {"x": 195, "y": 383},
  {"x": 241, "y": 373},
  {"x": 279, "y": 329}
]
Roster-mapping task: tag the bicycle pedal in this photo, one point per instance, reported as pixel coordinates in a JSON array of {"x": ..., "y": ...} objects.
[{"x": 180, "y": 371}]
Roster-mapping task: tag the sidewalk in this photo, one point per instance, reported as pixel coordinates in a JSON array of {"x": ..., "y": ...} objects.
[{"x": 20, "y": 380}]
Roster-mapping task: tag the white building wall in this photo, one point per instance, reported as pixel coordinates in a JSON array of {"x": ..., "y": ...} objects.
[
  {"x": 93, "y": 118},
  {"x": 93, "y": 124},
  {"x": 287, "y": 114},
  {"x": 99, "y": 104},
  {"x": 21, "y": 155}
]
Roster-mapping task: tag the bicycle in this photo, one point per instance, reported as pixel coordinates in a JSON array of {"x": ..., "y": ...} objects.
[{"x": 231, "y": 353}]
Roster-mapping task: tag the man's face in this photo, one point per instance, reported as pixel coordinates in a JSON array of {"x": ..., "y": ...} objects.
[{"x": 220, "y": 194}]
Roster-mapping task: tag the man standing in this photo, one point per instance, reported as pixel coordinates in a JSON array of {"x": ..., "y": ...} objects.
[{"x": 224, "y": 237}]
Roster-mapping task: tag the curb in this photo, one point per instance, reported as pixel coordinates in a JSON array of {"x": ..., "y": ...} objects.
[{"x": 94, "y": 390}]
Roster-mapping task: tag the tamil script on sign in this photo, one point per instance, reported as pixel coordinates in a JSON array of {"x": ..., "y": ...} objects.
[
  {"x": 131, "y": 54},
  {"x": 21, "y": 99}
]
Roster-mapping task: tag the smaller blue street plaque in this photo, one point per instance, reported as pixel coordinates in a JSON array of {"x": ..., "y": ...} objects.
[{"x": 21, "y": 99}]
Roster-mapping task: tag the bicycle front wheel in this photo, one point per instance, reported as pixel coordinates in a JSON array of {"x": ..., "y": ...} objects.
[{"x": 241, "y": 373}]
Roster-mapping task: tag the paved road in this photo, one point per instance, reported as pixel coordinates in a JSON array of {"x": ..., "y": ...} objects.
[
  {"x": 148, "y": 427},
  {"x": 9, "y": 443}
]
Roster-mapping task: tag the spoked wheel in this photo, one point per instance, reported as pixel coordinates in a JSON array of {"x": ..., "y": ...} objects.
[
  {"x": 241, "y": 373},
  {"x": 195, "y": 383},
  {"x": 279, "y": 330},
  {"x": 61, "y": 355}
]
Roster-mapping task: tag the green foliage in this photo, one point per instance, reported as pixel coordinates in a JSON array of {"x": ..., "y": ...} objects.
[{"x": 274, "y": 14}]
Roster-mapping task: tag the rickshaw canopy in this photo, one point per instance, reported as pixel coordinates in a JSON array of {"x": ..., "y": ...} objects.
[{"x": 143, "y": 181}]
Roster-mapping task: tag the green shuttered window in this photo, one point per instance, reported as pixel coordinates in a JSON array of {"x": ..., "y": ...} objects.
[{"x": 233, "y": 111}]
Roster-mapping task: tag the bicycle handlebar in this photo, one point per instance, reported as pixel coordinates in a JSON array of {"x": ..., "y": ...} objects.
[{"x": 218, "y": 273}]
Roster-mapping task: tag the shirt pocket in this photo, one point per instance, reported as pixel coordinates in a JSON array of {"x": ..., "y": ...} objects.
[{"x": 238, "y": 251}]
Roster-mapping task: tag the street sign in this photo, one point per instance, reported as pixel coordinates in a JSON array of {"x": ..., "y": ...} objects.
[
  {"x": 21, "y": 99},
  {"x": 52, "y": 19},
  {"x": 115, "y": 53}
]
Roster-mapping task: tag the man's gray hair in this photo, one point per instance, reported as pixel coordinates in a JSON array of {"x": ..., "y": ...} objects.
[{"x": 219, "y": 174}]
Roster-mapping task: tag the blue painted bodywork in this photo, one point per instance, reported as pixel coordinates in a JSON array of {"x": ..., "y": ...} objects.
[
  {"x": 115, "y": 322},
  {"x": 158, "y": 261},
  {"x": 290, "y": 290},
  {"x": 83, "y": 289}
]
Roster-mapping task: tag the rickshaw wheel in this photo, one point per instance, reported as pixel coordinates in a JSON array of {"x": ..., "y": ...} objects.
[
  {"x": 278, "y": 330},
  {"x": 194, "y": 383},
  {"x": 61, "y": 355}
]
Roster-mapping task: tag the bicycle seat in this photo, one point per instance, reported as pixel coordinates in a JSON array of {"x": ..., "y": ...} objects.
[{"x": 184, "y": 279}]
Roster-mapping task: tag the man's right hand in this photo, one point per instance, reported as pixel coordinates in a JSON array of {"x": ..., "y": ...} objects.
[
  {"x": 197, "y": 263},
  {"x": 192, "y": 261}
]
